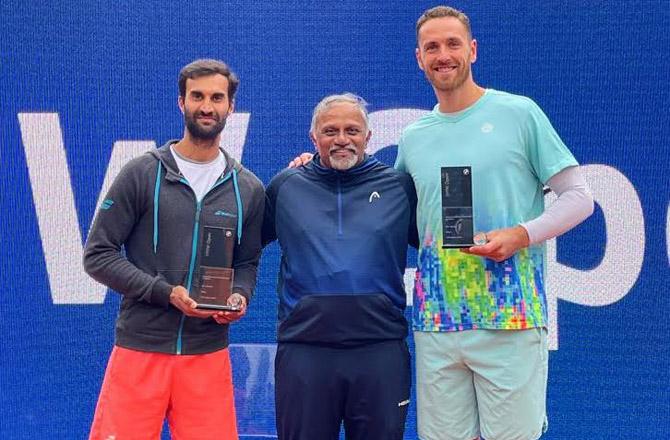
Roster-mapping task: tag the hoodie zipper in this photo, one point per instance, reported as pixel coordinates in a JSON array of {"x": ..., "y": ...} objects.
[
  {"x": 194, "y": 250},
  {"x": 339, "y": 208}
]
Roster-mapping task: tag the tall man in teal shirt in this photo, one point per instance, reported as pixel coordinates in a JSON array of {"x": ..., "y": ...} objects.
[{"x": 480, "y": 314}]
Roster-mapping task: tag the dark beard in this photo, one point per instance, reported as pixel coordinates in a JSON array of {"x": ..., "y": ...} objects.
[
  {"x": 203, "y": 133},
  {"x": 458, "y": 81}
]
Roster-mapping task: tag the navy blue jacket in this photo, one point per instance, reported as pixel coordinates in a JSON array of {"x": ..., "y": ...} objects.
[{"x": 343, "y": 237}]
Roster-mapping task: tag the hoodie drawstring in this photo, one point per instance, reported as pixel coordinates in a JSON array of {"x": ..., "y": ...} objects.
[
  {"x": 157, "y": 189},
  {"x": 238, "y": 200}
]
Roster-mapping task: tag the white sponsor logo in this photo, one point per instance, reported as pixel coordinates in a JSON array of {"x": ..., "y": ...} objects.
[{"x": 487, "y": 127}]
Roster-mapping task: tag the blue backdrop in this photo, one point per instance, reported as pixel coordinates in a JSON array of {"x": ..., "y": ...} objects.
[{"x": 86, "y": 85}]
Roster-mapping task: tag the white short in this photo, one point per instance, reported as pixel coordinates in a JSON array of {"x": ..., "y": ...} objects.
[{"x": 491, "y": 383}]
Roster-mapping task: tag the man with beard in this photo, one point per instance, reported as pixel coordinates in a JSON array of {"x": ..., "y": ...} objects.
[
  {"x": 480, "y": 314},
  {"x": 170, "y": 360},
  {"x": 343, "y": 223}
]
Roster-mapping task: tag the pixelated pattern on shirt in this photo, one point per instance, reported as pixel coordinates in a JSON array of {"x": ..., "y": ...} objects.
[{"x": 456, "y": 291}]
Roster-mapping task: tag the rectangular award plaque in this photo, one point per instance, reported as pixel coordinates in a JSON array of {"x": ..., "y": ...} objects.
[
  {"x": 457, "y": 224},
  {"x": 214, "y": 281}
]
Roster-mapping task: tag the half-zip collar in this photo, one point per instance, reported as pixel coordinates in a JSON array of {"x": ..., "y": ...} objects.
[{"x": 342, "y": 181}]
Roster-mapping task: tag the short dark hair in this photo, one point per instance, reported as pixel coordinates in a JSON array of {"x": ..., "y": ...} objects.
[
  {"x": 206, "y": 67},
  {"x": 441, "y": 12}
]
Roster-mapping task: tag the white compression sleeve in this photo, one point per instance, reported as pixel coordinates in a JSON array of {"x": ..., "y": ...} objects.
[{"x": 573, "y": 205}]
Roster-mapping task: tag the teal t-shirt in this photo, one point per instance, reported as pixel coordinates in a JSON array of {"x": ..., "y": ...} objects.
[{"x": 513, "y": 150}]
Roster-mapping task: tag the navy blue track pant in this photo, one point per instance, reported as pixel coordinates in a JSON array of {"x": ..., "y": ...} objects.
[{"x": 317, "y": 388}]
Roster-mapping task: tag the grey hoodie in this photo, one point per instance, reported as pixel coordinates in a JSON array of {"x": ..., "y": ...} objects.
[{"x": 146, "y": 239}]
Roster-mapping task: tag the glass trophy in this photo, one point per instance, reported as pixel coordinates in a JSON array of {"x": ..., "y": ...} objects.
[
  {"x": 214, "y": 277},
  {"x": 457, "y": 222}
]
